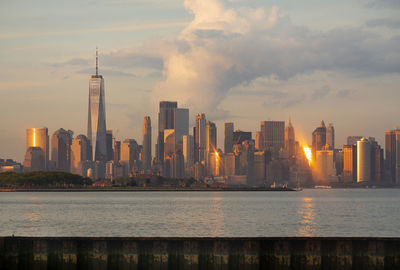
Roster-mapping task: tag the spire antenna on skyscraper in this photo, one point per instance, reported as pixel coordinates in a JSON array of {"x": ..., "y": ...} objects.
[{"x": 97, "y": 62}]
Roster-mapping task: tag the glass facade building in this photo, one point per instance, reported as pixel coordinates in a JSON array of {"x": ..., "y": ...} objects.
[{"x": 96, "y": 129}]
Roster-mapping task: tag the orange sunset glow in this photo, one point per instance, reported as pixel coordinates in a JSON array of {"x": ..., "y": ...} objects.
[{"x": 308, "y": 153}]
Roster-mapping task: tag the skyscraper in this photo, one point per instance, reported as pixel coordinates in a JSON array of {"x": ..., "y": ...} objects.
[
  {"x": 363, "y": 160},
  {"x": 352, "y": 140},
  {"x": 211, "y": 143},
  {"x": 117, "y": 151},
  {"x": 350, "y": 163},
  {"x": 258, "y": 141},
  {"x": 129, "y": 155},
  {"x": 240, "y": 136},
  {"x": 96, "y": 129},
  {"x": 290, "y": 140},
  {"x": 228, "y": 140},
  {"x": 324, "y": 166},
  {"x": 188, "y": 150},
  {"x": 200, "y": 138},
  {"x": 273, "y": 133},
  {"x": 34, "y": 159},
  {"x": 181, "y": 125},
  {"x": 169, "y": 142},
  {"x": 318, "y": 139},
  {"x": 38, "y": 137},
  {"x": 330, "y": 137},
  {"x": 392, "y": 155},
  {"x": 377, "y": 169},
  {"x": 61, "y": 149},
  {"x": 166, "y": 120},
  {"x": 81, "y": 152},
  {"x": 211, "y": 137},
  {"x": 146, "y": 155},
  {"x": 109, "y": 143}
]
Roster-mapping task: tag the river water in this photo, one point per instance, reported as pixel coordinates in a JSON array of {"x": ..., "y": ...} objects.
[{"x": 311, "y": 212}]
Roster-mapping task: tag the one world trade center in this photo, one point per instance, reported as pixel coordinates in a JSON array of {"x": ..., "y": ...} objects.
[{"x": 96, "y": 130}]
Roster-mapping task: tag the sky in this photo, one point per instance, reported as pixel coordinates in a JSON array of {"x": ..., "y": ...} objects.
[{"x": 236, "y": 61}]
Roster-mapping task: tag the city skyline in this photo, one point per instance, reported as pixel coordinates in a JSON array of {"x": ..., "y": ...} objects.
[{"x": 54, "y": 85}]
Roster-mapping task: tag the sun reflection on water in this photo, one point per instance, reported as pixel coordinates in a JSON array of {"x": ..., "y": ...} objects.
[
  {"x": 216, "y": 215},
  {"x": 33, "y": 219},
  {"x": 307, "y": 214}
]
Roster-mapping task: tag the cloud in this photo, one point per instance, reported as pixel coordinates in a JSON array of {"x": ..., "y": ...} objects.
[
  {"x": 224, "y": 47},
  {"x": 293, "y": 101},
  {"x": 320, "y": 93},
  {"x": 284, "y": 100},
  {"x": 259, "y": 93},
  {"x": 344, "y": 93},
  {"x": 381, "y": 3},
  {"x": 384, "y": 22},
  {"x": 122, "y": 28},
  {"x": 71, "y": 62},
  {"x": 129, "y": 58},
  {"x": 106, "y": 72}
]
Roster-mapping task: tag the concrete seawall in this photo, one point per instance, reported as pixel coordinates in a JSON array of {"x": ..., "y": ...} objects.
[{"x": 199, "y": 253}]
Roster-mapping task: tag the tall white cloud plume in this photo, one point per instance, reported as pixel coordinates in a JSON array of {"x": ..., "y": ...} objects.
[{"x": 223, "y": 47}]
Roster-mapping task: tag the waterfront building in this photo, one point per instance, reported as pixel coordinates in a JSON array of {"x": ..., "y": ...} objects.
[
  {"x": 241, "y": 136},
  {"x": 211, "y": 137},
  {"x": 169, "y": 142},
  {"x": 117, "y": 151},
  {"x": 352, "y": 140},
  {"x": 177, "y": 165},
  {"x": 245, "y": 154},
  {"x": 230, "y": 161},
  {"x": 146, "y": 153},
  {"x": 350, "y": 163},
  {"x": 260, "y": 167},
  {"x": 199, "y": 171},
  {"x": 330, "y": 137},
  {"x": 200, "y": 138},
  {"x": 109, "y": 144},
  {"x": 273, "y": 133},
  {"x": 61, "y": 142},
  {"x": 377, "y": 161},
  {"x": 228, "y": 139},
  {"x": 258, "y": 141},
  {"x": 278, "y": 171},
  {"x": 324, "y": 171},
  {"x": 392, "y": 156},
  {"x": 166, "y": 120},
  {"x": 363, "y": 161},
  {"x": 81, "y": 155},
  {"x": 188, "y": 150},
  {"x": 99, "y": 169},
  {"x": 290, "y": 140},
  {"x": 96, "y": 129},
  {"x": 114, "y": 170},
  {"x": 129, "y": 155},
  {"x": 211, "y": 142},
  {"x": 318, "y": 139},
  {"x": 34, "y": 159},
  {"x": 338, "y": 156},
  {"x": 38, "y": 137},
  {"x": 215, "y": 163},
  {"x": 9, "y": 165},
  {"x": 181, "y": 126}
]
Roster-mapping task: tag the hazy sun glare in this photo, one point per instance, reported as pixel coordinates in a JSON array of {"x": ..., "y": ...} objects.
[{"x": 308, "y": 153}]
